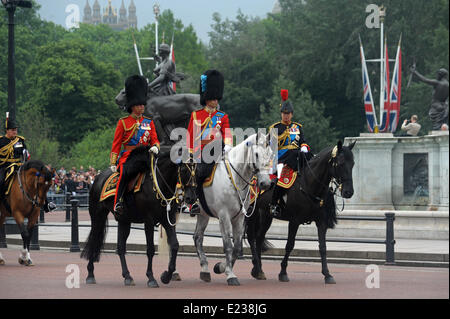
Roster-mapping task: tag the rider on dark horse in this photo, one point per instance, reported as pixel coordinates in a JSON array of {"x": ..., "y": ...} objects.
[
  {"x": 14, "y": 151},
  {"x": 131, "y": 131},
  {"x": 209, "y": 134},
  {"x": 292, "y": 148}
]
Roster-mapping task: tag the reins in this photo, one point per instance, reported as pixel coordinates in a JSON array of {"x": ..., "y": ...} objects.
[{"x": 33, "y": 201}]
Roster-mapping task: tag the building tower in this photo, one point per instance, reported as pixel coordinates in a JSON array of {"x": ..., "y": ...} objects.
[
  {"x": 123, "y": 20},
  {"x": 132, "y": 18},
  {"x": 87, "y": 18},
  {"x": 110, "y": 15},
  {"x": 96, "y": 17}
]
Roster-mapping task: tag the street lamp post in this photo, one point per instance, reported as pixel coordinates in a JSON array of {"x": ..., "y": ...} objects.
[{"x": 11, "y": 6}]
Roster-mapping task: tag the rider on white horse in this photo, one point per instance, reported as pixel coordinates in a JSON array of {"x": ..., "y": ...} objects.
[{"x": 209, "y": 133}]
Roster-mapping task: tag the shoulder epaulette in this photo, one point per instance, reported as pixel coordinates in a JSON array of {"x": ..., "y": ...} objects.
[
  {"x": 273, "y": 125},
  {"x": 220, "y": 113},
  {"x": 23, "y": 138},
  {"x": 297, "y": 124},
  {"x": 147, "y": 117},
  {"x": 123, "y": 118}
]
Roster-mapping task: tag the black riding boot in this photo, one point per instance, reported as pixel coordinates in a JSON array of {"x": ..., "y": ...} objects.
[
  {"x": 119, "y": 208},
  {"x": 275, "y": 207}
]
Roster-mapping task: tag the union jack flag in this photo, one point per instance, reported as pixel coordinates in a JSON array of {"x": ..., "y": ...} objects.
[
  {"x": 396, "y": 91},
  {"x": 368, "y": 100},
  {"x": 387, "y": 105}
]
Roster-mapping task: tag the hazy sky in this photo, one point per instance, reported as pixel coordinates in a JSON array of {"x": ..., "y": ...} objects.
[{"x": 196, "y": 12}]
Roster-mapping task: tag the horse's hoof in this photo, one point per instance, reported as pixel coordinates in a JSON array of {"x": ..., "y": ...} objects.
[
  {"x": 152, "y": 284},
  {"x": 2, "y": 262},
  {"x": 258, "y": 275},
  {"x": 233, "y": 282},
  {"x": 176, "y": 277},
  {"x": 218, "y": 269},
  {"x": 330, "y": 280},
  {"x": 129, "y": 282},
  {"x": 27, "y": 262},
  {"x": 166, "y": 277},
  {"x": 90, "y": 281},
  {"x": 205, "y": 276},
  {"x": 283, "y": 277}
]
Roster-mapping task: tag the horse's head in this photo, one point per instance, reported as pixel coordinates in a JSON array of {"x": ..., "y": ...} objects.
[
  {"x": 186, "y": 177},
  {"x": 260, "y": 157},
  {"x": 341, "y": 168},
  {"x": 37, "y": 179}
]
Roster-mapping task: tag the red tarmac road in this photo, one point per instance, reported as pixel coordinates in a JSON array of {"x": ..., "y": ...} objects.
[{"x": 47, "y": 279}]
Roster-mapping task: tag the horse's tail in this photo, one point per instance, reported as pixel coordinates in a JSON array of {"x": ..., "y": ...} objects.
[
  {"x": 99, "y": 222},
  {"x": 330, "y": 210}
]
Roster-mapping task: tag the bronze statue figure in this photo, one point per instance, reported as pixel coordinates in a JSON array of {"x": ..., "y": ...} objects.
[
  {"x": 168, "y": 109},
  {"x": 439, "y": 104}
]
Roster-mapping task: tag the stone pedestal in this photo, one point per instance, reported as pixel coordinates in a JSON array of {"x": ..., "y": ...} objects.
[{"x": 402, "y": 173}]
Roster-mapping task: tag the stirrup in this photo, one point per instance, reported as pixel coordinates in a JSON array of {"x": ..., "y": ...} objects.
[
  {"x": 118, "y": 209},
  {"x": 195, "y": 209},
  {"x": 274, "y": 210}
]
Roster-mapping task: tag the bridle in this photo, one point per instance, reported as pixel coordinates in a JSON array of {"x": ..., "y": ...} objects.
[
  {"x": 34, "y": 201},
  {"x": 178, "y": 194},
  {"x": 336, "y": 180}
]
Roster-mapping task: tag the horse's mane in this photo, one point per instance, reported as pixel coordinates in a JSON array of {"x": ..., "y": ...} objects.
[{"x": 39, "y": 166}]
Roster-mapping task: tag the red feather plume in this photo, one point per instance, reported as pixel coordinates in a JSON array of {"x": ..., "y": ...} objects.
[{"x": 284, "y": 95}]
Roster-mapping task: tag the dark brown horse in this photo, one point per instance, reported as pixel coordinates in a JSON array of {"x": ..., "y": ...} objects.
[
  {"x": 309, "y": 199},
  {"x": 27, "y": 195}
]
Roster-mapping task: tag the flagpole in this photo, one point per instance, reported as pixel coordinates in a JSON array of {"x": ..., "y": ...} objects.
[{"x": 382, "y": 15}]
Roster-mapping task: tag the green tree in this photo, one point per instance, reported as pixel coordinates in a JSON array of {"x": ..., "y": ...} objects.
[
  {"x": 93, "y": 150},
  {"x": 75, "y": 90},
  {"x": 310, "y": 114}
]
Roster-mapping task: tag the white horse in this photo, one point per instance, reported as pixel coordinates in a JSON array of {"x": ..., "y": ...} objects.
[{"x": 228, "y": 200}]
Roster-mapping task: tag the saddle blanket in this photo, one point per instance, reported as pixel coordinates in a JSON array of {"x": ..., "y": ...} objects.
[
  {"x": 209, "y": 180},
  {"x": 287, "y": 177},
  {"x": 110, "y": 186}
]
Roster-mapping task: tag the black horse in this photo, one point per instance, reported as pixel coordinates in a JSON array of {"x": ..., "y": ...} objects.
[
  {"x": 309, "y": 199},
  {"x": 144, "y": 206}
]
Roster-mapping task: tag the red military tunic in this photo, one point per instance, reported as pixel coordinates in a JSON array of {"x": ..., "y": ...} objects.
[
  {"x": 131, "y": 132},
  {"x": 205, "y": 127}
]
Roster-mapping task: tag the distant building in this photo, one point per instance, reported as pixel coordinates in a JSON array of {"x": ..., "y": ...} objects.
[
  {"x": 116, "y": 20},
  {"x": 276, "y": 7}
]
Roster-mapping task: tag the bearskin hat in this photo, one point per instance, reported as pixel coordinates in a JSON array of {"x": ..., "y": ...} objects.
[
  {"x": 211, "y": 86},
  {"x": 136, "y": 88},
  {"x": 286, "y": 106}
]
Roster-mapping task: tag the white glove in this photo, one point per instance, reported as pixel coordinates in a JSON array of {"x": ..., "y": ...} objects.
[
  {"x": 114, "y": 168},
  {"x": 304, "y": 149},
  {"x": 154, "y": 149},
  {"x": 297, "y": 137},
  {"x": 227, "y": 148}
]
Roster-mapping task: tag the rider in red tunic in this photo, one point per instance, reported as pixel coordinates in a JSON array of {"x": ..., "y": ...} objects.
[
  {"x": 132, "y": 131},
  {"x": 209, "y": 134}
]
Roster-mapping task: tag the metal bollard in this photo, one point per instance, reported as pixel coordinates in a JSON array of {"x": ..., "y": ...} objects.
[
  {"x": 75, "y": 245},
  {"x": 42, "y": 216},
  {"x": 390, "y": 241},
  {"x": 34, "y": 245},
  {"x": 3, "y": 237},
  {"x": 68, "y": 207}
]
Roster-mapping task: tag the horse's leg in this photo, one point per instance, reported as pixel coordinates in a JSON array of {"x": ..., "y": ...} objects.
[
  {"x": 238, "y": 232},
  {"x": 202, "y": 222},
  {"x": 292, "y": 232},
  {"x": 264, "y": 224},
  {"x": 149, "y": 229},
  {"x": 251, "y": 237},
  {"x": 2, "y": 221},
  {"x": 173, "y": 244},
  {"x": 122, "y": 236},
  {"x": 226, "y": 230},
  {"x": 322, "y": 231},
  {"x": 24, "y": 258}
]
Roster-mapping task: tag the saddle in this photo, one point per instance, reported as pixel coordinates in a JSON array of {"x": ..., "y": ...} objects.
[{"x": 110, "y": 187}]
